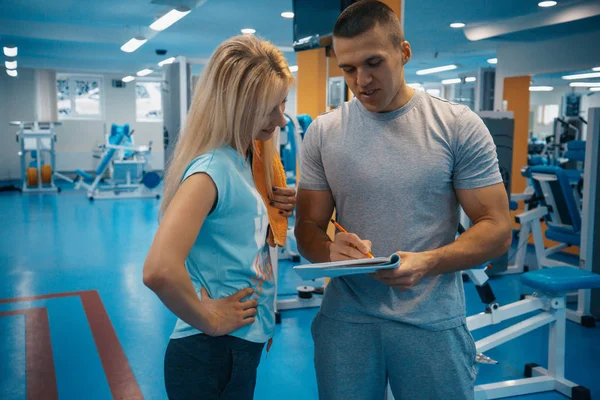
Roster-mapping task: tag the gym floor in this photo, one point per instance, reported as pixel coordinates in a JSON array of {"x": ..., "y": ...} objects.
[{"x": 76, "y": 319}]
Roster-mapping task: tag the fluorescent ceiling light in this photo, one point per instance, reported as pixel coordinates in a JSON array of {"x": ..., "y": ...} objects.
[
  {"x": 457, "y": 25},
  {"x": 470, "y": 79},
  {"x": 11, "y": 64},
  {"x": 436, "y": 69},
  {"x": 167, "y": 61},
  {"x": 451, "y": 81},
  {"x": 287, "y": 14},
  {"x": 541, "y": 88},
  {"x": 582, "y": 76},
  {"x": 144, "y": 72},
  {"x": 294, "y": 68},
  {"x": 11, "y": 51},
  {"x": 547, "y": 4},
  {"x": 169, "y": 19},
  {"x": 595, "y": 89},
  {"x": 133, "y": 44},
  {"x": 596, "y": 69},
  {"x": 248, "y": 31},
  {"x": 128, "y": 78},
  {"x": 12, "y": 72},
  {"x": 584, "y": 84},
  {"x": 492, "y": 61}
]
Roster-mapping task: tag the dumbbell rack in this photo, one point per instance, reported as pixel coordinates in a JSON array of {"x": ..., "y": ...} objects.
[{"x": 39, "y": 137}]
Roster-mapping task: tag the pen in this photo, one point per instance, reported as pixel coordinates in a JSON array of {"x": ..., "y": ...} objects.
[{"x": 341, "y": 229}]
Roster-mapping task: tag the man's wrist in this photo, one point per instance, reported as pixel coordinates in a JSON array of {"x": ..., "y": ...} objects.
[
  {"x": 432, "y": 262},
  {"x": 328, "y": 244}
]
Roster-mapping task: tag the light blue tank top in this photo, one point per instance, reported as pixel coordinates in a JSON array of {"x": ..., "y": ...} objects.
[{"x": 230, "y": 252}]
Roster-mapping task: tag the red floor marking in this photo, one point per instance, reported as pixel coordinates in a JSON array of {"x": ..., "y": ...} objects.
[
  {"x": 41, "y": 378},
  {"x": 116, "y": 367},
  {"x": 41, "y": 297},
  {"x": 119, "y": 375}
]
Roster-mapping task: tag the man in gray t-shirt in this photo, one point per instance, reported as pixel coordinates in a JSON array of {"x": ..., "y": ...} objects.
[{"x": 395, "y": 164}]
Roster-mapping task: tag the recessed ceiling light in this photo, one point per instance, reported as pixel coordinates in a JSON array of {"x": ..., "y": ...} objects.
[
  {"x": 10, "y": 64},
  {"x": 547, "y": 4},
  {"x": 11, "y": 51},
  {"x": 167, "y": 61},
  {"x": 128, "y": 78},
  {"x": 12, "y": 72},
  {"x": 596, "y": 69},
  {"x": 294, "y": 68},
  {"x": 169, "y": 18},
  {"x": 144, "y": 72},
  {"x": 248, "y": 31},
  {"x": 133, "y": 44},
  {"x": 451, "y": 81},
  {"x": 287, "y": 14},
  {"x": 595, "y": 89},
  {"x": 582, "y": 76},
  {"x": 492, "y": 61},
  {"x": 436, "y": 69},
  {"x": 541, "y": 88},
  {"x": 457, "y": 25},
  {"x": 470, "y": 79},
  {"x": 584, "y": 84}
]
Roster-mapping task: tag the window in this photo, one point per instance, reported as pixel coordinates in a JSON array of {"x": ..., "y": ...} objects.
[
  {"x": 148, "y": 103},
  {"x": 79, "y": 97},
  {"x": 546, "y": 114}
]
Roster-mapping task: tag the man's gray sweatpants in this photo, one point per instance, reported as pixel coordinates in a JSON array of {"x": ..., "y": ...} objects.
[{"x": 354, "y": 361}]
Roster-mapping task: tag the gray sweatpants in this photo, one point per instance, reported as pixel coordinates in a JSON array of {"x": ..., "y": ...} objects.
[{"x": 354, "y": 361}]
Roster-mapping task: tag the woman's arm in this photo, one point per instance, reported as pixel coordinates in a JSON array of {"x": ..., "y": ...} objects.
[{"x": 165, "y": 272}]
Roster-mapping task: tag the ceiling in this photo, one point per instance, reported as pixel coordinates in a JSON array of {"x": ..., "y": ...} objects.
[{"x": 87, "y": 36}]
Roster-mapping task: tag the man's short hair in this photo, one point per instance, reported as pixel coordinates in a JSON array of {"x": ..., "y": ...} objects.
[{"x": 363, "y": 16}]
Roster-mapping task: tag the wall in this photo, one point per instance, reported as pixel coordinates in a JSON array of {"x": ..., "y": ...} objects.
[
  {"x": 75, "y": 138},
  {"x": 572, "y": 53},
  {"x": 291, "y": 107},
  {"x": 311, "y": 74},
  {"x": 119, "y": 108},
  {"x": 517, "y": 95},
  {"x": 538, "y": 99},
  {"x": 17, "y": 102},
  {"x": 555, "y": 97}
]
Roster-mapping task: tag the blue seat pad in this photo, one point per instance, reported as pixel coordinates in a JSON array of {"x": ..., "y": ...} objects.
[
  {"x": 562, "y": 236},
  {"x": 84, "y": 175},
  {"x": 561, "y": 279}
]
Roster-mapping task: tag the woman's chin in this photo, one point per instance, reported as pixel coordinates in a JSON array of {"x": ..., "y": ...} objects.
[{"x": 263, "y": 136}]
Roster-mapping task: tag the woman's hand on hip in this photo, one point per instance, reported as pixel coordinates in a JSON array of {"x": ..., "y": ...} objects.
[{"x": 229, "y": 313}]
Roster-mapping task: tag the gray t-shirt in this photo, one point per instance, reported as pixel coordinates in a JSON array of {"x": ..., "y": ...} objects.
[{"x": 393, "y": 178}]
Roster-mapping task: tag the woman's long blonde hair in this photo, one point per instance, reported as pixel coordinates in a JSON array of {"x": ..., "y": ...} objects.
[{"x": 245, "y": 79}]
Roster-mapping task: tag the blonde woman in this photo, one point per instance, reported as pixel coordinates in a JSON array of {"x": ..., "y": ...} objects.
[{"x": 209, "y": 262}]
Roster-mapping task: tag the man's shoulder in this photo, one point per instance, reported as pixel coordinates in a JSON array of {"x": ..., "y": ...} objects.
[
  {"x": 335, "y": 116},
  {"x": 445, "y": 107}
]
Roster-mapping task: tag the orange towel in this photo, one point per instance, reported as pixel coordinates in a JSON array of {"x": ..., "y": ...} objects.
[{"x": 278, "y": 222}]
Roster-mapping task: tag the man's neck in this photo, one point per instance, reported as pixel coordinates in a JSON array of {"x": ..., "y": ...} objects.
[{"x": 402, "y": 98}]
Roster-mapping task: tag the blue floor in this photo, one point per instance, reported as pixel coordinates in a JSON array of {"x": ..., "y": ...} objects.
[{"x": 59, "y": 244}]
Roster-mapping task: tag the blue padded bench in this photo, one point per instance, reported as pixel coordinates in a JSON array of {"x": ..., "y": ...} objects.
[{"x": 561, "y": 279}]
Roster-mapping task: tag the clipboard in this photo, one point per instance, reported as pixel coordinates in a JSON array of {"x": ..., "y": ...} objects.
[{"x": 343, "y": 268}]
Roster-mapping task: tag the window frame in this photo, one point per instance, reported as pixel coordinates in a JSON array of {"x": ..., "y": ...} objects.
[
  {"x": 147, "y": 120},
  {"x": 71, "y": 77}
]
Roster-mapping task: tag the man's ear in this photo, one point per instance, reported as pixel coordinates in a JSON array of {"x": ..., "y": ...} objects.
[{"x": 406, "y": 52}]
